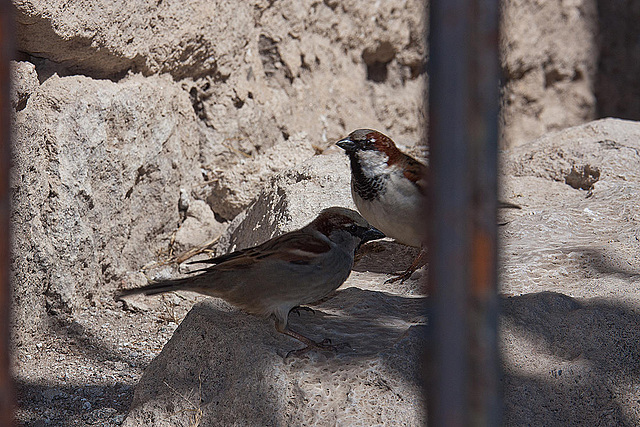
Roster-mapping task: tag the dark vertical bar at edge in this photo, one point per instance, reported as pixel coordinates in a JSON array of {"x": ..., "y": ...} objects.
[
  {"x": 6, "y": 54},
  {"x": 449, "y": 204},
  {"x": 462, "y": 359}
]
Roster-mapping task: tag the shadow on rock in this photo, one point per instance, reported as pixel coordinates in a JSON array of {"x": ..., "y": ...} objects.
[
  {"x": 84, "y": 341},
  {"x": 385, "y": 257},
  {"x": 570, "y": 361},
  {"x": 229, "y": 366},
  {"x": 606, "y": 262}
]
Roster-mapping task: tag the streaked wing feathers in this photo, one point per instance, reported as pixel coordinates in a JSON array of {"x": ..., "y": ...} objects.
[
  {"x": 416, "y": 172},
  {"x": 298, "y": 247}
]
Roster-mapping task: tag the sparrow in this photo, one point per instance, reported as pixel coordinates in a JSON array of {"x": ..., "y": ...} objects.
[
  {"x": 283, "y": 273},
  {"x": 389, "y": 189}
]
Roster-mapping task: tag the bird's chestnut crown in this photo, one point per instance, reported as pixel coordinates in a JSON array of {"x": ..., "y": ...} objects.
[{"x": 366, "y": 139}]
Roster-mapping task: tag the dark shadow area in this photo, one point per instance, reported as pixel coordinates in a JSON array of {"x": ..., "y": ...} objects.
[
  {"x": 237, "y": 359},
  {"x": 595, "y": 345},
  {"x": 617, "y": 85},
  {"x": 42, "y": 403},
  {"x": 63, "y": 401},
  {"x": 367, "y": 320},
  {"x": 604, "y": 262},
  {"x": 86, "y": 343},
  {"x": 385, "y": 257},
  {"x": 377, "y": 72},
  {"x": 578, "y": 366}
]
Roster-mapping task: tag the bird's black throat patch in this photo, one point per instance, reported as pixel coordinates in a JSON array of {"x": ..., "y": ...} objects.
[{"x": 368, "y": 188}]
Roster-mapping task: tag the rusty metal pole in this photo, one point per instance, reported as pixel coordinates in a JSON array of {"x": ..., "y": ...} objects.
[
  {"x": 463, "y": 361},
  {"x": 6, "y": 54}
]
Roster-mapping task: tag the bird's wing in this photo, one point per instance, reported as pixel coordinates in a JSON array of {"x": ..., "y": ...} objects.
[
  {"x": 297, "y": 247},
  {"x": 415, "y": 172}
]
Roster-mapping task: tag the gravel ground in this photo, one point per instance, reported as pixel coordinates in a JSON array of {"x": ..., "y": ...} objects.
[{"x": 84, "y": 371}]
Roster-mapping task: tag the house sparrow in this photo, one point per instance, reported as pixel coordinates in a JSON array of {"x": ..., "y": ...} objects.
[
  {"x": 389, "y": 188},
  {"x": 299, "y": 267}
]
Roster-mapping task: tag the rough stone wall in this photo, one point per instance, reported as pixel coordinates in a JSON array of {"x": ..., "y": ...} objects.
[
  {"x": 97, "y": 173},
  {"x": 567, "y": 62},
  {"x": 549, "y": 61},
  {"x": 142, "y": 127}
]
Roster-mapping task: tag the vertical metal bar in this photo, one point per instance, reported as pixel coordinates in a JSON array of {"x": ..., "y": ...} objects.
[
  {"x": 463, "y": 104},
  {"x": 449, "y": 206},
  {"x": 483, "y": 145},
  {"x": 6, "y": 53}
]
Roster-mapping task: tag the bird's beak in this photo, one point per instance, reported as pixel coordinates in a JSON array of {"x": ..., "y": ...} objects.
[
  {"x": 372, "y": 234},
  {"x": 346, "y": 144}
]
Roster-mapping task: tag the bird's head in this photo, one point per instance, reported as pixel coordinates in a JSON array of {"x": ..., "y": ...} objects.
[
  {"x": 367, "y": 140},
  {"x": 370, "y": 151},
  {"x": 345, "y": 227}
]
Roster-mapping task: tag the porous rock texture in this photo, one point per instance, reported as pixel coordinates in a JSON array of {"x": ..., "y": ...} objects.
[
  {"x": 129, "y": 115},
  {"x": 291, "y": 200},
  {"x": 141, "y": 130},
  {"x": 570, "y": 269},
  {"x": 567, "y": 62},
  {"x": 238, "y": 374},
  {"x": 257, "y": 71},
  {"x": 550, "y": 63},
  {"x": 374, "y": 380}
]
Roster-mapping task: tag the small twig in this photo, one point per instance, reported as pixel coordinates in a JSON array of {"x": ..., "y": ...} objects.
[
  {"x": 195, "y": 251},
  {"x": 179, "y": 259},
  {"x": 170, "y": 309},
  {"x": 197, "y": 416},
  {"x": 171, "y": 242}
]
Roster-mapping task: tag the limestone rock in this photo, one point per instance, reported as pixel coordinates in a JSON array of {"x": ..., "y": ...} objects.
[
  {"x": 550, "y": 67},
  {"x": 608, "y": 145},
  {"x": 256, "y": 72},
  {"x": 292, "y": 200},
  {"x": 24, "y": 80},
  {"x": 225, "y": 367},
  {"x": 104, "y": 39},
  {"x": 130, "y": 116},
  {"x": 233, "y": 189},
  {"x": 374, "y": 381},
  {"x": 95, "y": 185},
  {"x": 570, "y": 269},
  {"x": 200, "y": 226}
]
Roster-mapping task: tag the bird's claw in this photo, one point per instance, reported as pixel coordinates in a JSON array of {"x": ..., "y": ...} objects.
[{"x": 402, "y": 277}]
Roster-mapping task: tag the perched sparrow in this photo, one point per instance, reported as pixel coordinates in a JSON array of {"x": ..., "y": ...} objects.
[
  {"x": 389, "y": 188},
  {"x": 299, "y": 267}
]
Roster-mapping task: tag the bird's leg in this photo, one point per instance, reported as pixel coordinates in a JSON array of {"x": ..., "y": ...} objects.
[
  {"x": 299, "y": 308},
  {"x": 418, "y": 262},
  {"x": 310, "y": 344}
]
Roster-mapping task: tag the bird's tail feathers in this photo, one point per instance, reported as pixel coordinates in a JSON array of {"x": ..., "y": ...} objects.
[{"x": 156, "y": 287}]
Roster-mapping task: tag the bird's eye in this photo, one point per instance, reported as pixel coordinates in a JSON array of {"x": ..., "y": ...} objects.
[
  {"x": 371, "y": 144},
  {"x": 352, "y": 228}
]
